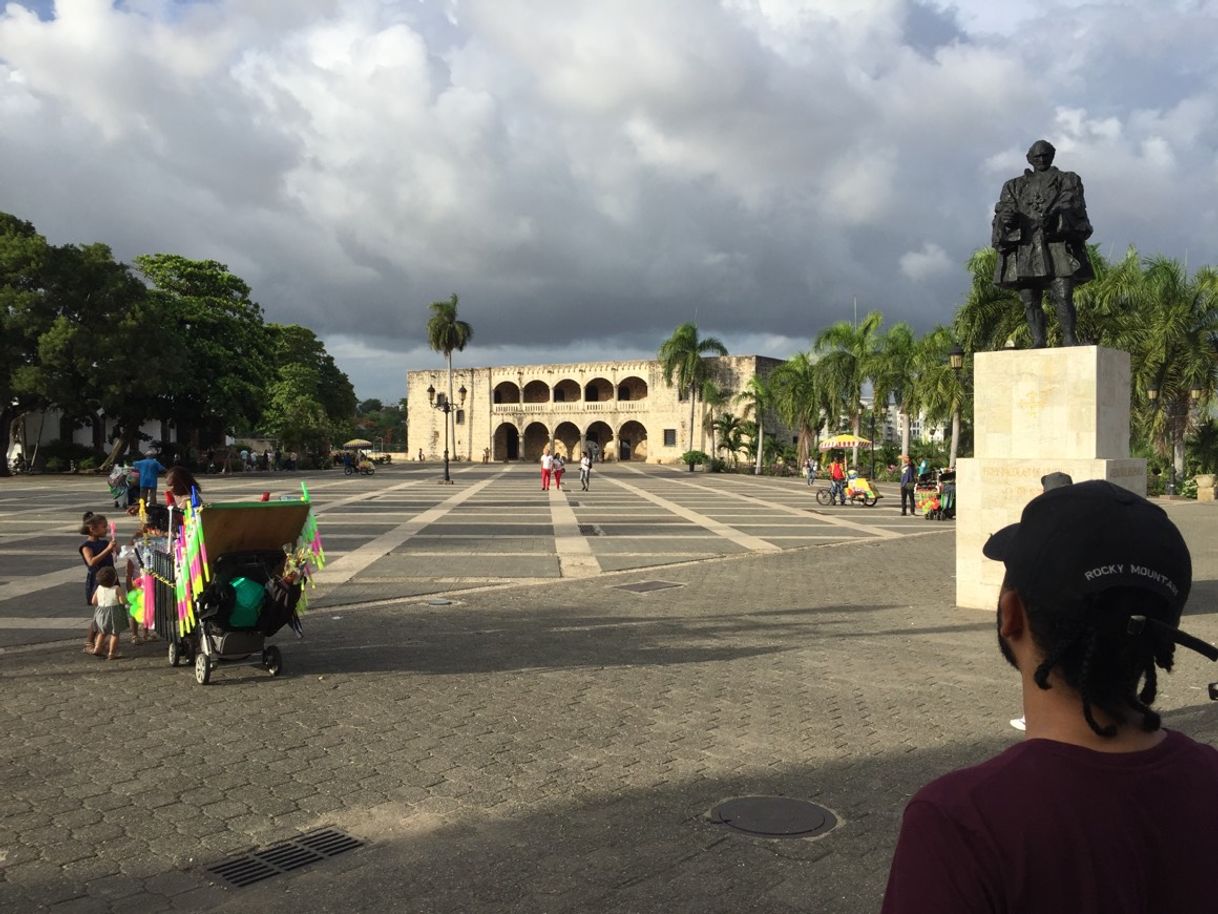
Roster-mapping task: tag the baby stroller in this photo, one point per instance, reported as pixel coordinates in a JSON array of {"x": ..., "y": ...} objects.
[
  {"x": 947, "y": 494},
  {"x": 233, "y": 579},
  {"x": 123, "y": 483}
]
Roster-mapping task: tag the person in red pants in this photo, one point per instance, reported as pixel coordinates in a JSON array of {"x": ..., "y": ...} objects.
[
  {"x": 547, "y": 466},
  {"x": 559, "y": 467}
]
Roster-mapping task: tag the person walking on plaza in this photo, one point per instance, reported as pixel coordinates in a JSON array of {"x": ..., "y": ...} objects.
[
  {"x": 907, "y": 484},
  {"x": 558, "y": 469},
  {"x": 585, "y": 471},
  {"x": 547, "y": 466},
  {"x": 1099, "y": 809},
  {"x": 149, "y": 469},
  {"x": 837, "y": 481}
]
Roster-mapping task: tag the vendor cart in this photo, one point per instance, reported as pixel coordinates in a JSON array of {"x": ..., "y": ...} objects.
[{"x": 229, "y": 577}]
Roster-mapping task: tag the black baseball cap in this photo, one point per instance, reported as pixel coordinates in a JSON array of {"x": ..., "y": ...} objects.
[{"x": 1076, "y": 540}]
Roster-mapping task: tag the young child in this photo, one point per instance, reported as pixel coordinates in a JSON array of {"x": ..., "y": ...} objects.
[
  {"x": 132, "y": 583},
  {"x": 97, "y": 553},
  {"x": 111, "y": 606}
]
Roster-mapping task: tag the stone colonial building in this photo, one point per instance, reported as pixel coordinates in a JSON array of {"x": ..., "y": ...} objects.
[{"x": 622, "y": 410}]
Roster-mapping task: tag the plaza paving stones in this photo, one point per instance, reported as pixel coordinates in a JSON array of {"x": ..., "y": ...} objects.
[{"x": 534, "y": 744}]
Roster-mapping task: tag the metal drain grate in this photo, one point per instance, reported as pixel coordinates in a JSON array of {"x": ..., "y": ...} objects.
[
  {"x": 647, "y": 586},
  {"x": 284, "y": 857}
]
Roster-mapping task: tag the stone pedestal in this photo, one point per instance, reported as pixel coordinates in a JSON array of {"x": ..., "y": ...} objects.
[{"x": 1037, "y": 411}]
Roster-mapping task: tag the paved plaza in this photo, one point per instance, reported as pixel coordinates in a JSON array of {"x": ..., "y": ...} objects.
[{"x": 484, "y": 700}]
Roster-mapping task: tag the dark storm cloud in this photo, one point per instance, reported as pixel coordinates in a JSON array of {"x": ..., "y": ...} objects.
[{"x": 587, "y": 175}]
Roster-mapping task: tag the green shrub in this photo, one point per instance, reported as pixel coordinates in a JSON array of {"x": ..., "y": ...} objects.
[
  {"x": 717, "y": 466},
  {"x": 694, "y": 458},
  {"x": 64, "y": 451},
  {"x": 88, "y": 463},
  {"x": 56, "y": 465}
]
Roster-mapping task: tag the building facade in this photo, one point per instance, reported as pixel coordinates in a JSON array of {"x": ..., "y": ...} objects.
[{"x": 618, "y": 410}]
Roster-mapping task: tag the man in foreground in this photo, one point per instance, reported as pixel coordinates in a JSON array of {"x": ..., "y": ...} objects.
[{"x": 1099, "y": 809}]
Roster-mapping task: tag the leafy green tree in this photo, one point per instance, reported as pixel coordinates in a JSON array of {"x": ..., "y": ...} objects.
[
  {"x": 291, "y": 345},
  {"x": 800, "y": 399},
  {"x": 683, "y": 359},
  {"x": 295, "y": 415},
  {"x": 83, "y": 356},
  {"x": 446, "y": 334},
  {"x": 23, "y": 260},
  {"x": 226, "y": 345}
]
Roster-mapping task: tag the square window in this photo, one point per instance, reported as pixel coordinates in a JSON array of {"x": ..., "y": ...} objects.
[
  {"x": 670, "y": 437},
  {"x": 460, "y": 417}
]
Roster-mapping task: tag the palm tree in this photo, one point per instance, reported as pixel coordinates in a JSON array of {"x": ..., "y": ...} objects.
[
  {"x": 713, "y": 397},
  {"x": 896, "y": 375},
  {"x": 756, "y": 399},
  {"x": 683, "y": 357},
  {"x": 990, "y": 316},
  {"x": 446, "y": 333},
  {"x": 848, "y": 361},
  {"x": 729, "y": 429},
  {"x": 799, "y": 399},
  {"x": 941, "y": 391},
  {"x": 1169, "y": 325}
]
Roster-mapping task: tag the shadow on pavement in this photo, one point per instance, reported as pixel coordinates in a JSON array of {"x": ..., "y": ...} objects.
[{"x": 456, "y": 640}]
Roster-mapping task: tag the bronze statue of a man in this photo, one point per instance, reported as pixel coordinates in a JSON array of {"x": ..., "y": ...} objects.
[{"x": 1040, "y": 233}]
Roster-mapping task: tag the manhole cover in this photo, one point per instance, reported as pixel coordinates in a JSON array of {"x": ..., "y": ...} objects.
[
  {"x": 647, "y": 586},
  {"x": 774, "y": 817}
]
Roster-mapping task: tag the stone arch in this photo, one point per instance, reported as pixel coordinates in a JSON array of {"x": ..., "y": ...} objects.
[
  {"x": 632, "y": 441},
  {"x": 536, "y": 440},
  {"x": 566, "y": 391},
  {"x": 507, "y": 392},
  {"x": 600, "y": 439},
  {"x": 598, "y": 389},
  {"x": 536, "y": 392},
  {"x": 567, "y": 440},
  {"x": 507, "y": 442},
  {"x": 632, "y": 388}
]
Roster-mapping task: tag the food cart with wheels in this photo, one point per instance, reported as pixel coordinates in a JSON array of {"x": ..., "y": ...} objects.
[{"x": 228, "y": 577}]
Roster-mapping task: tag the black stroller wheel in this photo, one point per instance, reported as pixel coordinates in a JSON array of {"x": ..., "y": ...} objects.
[
  {"x": 175, "y": 653},
  {"x": 272, "y": 660}
]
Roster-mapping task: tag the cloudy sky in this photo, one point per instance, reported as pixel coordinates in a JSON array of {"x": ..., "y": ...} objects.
[{"x": 587, "y": 174}]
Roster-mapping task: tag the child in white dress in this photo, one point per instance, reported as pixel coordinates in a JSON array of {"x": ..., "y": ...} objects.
[{"x": 108, "y": 617}]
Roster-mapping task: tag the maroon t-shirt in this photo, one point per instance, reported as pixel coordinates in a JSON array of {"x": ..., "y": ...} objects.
[{"x": 1047, "y": 827}]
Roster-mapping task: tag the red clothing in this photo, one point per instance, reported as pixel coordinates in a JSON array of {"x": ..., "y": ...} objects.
[
  {"x": 1047, "y": 827},
  {"x": 545, "y": 478},
  {"x": 836, "y": 472}
]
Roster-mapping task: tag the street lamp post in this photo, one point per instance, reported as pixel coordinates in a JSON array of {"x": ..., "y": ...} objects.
[
  {"x": 1194, "y": 395},
  {"x": 444, "y": 406}
]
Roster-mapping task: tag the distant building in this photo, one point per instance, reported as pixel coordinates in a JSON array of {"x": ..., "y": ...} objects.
[{"x": 621, "y": 410}]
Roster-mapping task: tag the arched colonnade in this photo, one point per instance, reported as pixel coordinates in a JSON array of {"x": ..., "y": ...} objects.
[
  {"x": 628, "y": 442},
  {"x": 598, "y": 390}
]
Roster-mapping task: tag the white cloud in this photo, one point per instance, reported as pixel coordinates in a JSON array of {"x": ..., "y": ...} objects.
[
  {"x": 578, "y": 170},
  {"x": 929, "y": 262}
]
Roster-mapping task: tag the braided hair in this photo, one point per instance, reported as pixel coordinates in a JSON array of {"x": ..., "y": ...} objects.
[{"x": 1111, "y": 662}]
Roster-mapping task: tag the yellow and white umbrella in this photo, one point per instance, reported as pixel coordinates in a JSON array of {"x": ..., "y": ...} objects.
[{"x": 837, "y": 442}]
